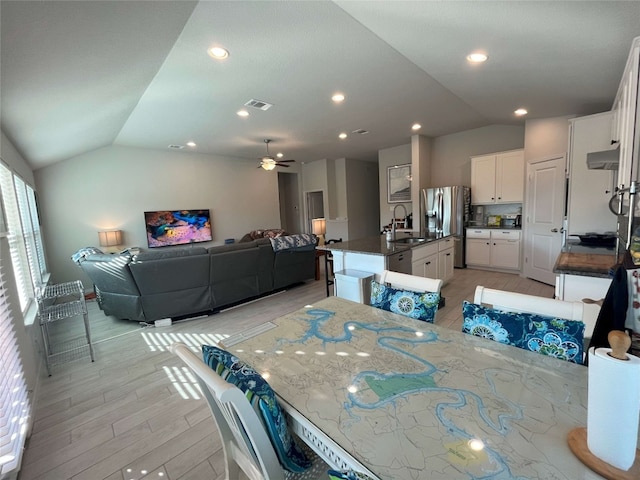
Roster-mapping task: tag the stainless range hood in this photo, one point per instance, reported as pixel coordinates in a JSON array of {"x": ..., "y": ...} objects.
[{"x": 606, "y": 159}]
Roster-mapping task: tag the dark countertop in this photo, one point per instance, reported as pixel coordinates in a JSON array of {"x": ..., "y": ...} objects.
[
  {"x": 485, "y": 227},
  {"x": 591, "y": 261},
  {"x": 378, "y": 245}
]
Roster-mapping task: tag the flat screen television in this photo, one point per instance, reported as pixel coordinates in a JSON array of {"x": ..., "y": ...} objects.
[{"x": 177, "y": 227}]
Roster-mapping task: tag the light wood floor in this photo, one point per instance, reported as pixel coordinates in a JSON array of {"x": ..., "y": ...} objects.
[{"x": 131, "y": 414}]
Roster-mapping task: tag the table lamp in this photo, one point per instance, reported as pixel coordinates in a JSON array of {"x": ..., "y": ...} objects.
[
  {"x": 110, "y": 238},
  {"x": 319, "y": 228}
]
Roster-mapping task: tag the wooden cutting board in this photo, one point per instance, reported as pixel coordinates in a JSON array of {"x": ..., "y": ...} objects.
[{"x": 585, "y": 262}]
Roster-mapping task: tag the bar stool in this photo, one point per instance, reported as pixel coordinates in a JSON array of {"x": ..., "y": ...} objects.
[{"x": 328, "y": 263}]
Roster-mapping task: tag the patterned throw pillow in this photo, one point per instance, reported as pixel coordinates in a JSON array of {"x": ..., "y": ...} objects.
[
  {"x": 418, "y": 305},
  {"x": 263, "y": 400},
  {"x": 555, "y": 337},
  {"x": 297, "y": 241}
]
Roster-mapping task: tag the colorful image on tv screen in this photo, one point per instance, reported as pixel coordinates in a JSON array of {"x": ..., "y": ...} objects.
[{"x": 177, "y": 227}]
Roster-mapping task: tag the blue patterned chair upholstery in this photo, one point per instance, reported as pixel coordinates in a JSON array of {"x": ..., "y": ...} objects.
[
  {"x": 542, "y": 325},
  {"x": 408, "y": 295}
]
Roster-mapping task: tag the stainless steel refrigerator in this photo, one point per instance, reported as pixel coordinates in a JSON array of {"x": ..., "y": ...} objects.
[{"x": 446, "y": 210}]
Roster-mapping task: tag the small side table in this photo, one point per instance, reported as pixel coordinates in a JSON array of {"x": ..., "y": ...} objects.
[{"x": 58, "y": 302}]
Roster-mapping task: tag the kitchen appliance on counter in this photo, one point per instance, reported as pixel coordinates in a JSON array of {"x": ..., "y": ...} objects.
[
  {"x": 511, "y": 220},
  {"x": 446, "y": 211}
]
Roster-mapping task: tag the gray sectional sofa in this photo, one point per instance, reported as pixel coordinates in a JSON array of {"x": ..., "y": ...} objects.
[{"x": 187, "y": 281}]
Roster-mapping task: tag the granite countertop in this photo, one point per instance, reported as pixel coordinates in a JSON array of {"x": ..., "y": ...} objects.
[
  {"x": 378, "y": 245},
  {"x": 490, "y": 227},
  {"x": 591, "y": 261}
]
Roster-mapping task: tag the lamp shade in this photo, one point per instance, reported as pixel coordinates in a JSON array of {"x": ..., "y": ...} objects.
[
  {"x": 110, "y": 238},
  {"x": 318, "y": 226}
]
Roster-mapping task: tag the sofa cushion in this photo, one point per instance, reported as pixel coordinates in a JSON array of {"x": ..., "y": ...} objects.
[
  {"x": 419, "y": 305},
  {"x": 264, "y": 402},
  {"x": 169, "y": 253},
  {"x": 555, "y": 337},
  {"x": 231, "y": 247}
]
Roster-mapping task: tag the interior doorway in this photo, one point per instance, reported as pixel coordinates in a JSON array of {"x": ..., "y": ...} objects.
[
  {"x": 315, "y": 207},
  {"x": 289, "y": 195}
]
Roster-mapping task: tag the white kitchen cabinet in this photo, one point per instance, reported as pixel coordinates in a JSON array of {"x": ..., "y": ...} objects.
[
  {"x": 434, "y": 260},
  {"x": 573, "y": 288},
  {"x": 478, "y": 246},
  {"x": 498, "y": 178},
  {"x": 589, "y": 190},
  {"x": 626, "y": 123},
  {"x": 445, "y": 265},
  {"x": 495, "y": 249}
]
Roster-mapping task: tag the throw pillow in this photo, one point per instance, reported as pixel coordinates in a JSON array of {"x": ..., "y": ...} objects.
[
  {"x": 418, "y": 305},
  {"x": 264, "y": 402},
  {"x": 555, "y": 337}
]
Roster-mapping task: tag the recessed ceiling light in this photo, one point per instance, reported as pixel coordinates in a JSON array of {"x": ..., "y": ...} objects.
[
  {"x": 416, "y": 126},
  {"x": 342, "y": 136},
  {"x": 520, "y": 112},
  {"x": 477, "y": 57},
  {"x": 279, "y": 155},
  {"x": 338, "y": 97},
  {"x": 242, "y": 113},
  {"x": 191, "y": 144},
  {"x": 218, "y": 53}
]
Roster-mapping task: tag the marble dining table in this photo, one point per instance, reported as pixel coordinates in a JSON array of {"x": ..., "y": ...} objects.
[{"x": 412, "y": 400}]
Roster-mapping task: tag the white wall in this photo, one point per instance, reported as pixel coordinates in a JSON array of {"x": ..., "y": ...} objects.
[
  {"x": 545, "y": 137},
  {"x": 113, "y": 186},
  {"x": 450, "y": 159},
  {"x": 362, "y": 198},
  {"x": 389, "y": 157}
]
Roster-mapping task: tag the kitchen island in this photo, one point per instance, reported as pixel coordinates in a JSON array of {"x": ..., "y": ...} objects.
[{"x": 426, "y": 256}]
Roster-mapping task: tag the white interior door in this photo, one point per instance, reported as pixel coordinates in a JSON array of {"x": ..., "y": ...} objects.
[{"x": 544, "y": 217}]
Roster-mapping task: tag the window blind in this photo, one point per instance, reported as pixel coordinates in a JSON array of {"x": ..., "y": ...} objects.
[
  {"x": 19, "y": 259},
  {"x": 14, "y": 402},
  {"x": 27, "y": 230}
]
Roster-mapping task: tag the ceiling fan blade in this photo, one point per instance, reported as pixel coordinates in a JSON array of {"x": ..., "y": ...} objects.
[
  {"x": 286, "y": 160},
  {"x": 282, "y": 165}
]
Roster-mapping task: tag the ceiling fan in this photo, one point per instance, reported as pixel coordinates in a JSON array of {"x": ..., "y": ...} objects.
[{"x": 268, "y": 162}]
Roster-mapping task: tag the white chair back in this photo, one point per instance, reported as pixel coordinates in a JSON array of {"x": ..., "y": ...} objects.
[
  {"x": 245, "y": 442},
  {"x": 520, "y": 302},
  {"x": 411, "y": 282}
]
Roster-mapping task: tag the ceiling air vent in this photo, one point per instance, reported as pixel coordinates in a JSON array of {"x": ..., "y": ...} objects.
[
  {"x": 176, "y": 147},
  {"x": 259, "y": 104},
  {"x": 360, "y": 131}
]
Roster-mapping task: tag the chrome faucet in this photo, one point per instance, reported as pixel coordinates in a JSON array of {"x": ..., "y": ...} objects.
[{"x": 393, "y": 221}]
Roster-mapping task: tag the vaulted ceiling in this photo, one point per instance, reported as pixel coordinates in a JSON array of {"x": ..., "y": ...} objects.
[{"x": 80, "y": 75}]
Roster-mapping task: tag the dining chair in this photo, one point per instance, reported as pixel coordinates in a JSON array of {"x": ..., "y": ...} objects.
[
  {"x": 245, "y": 441},
  {"x": 408, "y": 295},
  {"x": 543, "y": 325},
  {"x": 328, "y": 264}
]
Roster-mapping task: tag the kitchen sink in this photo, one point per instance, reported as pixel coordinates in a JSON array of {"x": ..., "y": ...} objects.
[{"x": 410, "y": 240}]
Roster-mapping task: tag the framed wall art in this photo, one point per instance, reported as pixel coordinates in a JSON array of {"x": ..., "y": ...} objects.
[{"x": 399, "y": 183}]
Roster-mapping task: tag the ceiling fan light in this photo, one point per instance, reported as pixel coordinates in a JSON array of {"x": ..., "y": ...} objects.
[{"x": 268, "y": 165}]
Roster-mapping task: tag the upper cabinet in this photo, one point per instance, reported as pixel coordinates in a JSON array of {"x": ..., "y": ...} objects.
[
  {"x": 498, "y": 178},
  {"x": 626, "y": 122},
  {"x": 589, "y": 190}
]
